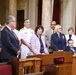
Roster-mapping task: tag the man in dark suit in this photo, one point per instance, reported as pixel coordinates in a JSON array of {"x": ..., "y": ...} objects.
[
  {"x": 70, "y": 47},
  {"x": 10, "y": 43},
  {"x": 0, "y": 42}
]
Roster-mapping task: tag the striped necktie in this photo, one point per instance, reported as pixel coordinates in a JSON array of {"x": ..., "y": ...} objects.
[
  {"x": 14, "y": 34},
  {"x": 73, "y": 50}
]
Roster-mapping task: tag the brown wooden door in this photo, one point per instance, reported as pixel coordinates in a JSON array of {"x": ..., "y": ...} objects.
[{"x": 20, "y": 19}]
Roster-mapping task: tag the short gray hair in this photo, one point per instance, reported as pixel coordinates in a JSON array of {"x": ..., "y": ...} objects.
[{"x": 10, "y": 18}]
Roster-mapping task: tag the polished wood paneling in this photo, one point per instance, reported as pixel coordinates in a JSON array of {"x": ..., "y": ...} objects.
[
  {"x": 34, "y": 65},
  {"x": 74, "y": 65},
  {"x": 64, "y": 68}
]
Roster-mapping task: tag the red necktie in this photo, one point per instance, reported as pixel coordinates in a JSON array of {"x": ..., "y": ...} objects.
[
  {"x": 15, "y": 37},
  {"x": 14, "y": 34}
]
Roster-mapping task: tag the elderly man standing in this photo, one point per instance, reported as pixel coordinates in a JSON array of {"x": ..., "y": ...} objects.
[
  {"x": 48, "y": 34},
  {"x": 0, "y": 42},
  {"x": 10, "y": 43}
]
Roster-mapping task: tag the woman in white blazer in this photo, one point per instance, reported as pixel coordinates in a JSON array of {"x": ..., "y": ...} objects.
[
  {"x": 37, "y": 42},
  {"x": 70, "y": 35}
]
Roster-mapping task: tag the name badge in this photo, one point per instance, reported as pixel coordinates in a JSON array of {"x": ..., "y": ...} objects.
[{"x": 63, "y": 37}]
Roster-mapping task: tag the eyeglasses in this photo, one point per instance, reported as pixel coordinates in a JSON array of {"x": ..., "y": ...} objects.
[
  {"x": 53, "y": 24},
  {"x": 60, "y": 28},
  {"x": 13, "y": 21}
]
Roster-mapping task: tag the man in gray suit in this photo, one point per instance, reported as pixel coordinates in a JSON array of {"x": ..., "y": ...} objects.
[{"x": 48, "y": 34}]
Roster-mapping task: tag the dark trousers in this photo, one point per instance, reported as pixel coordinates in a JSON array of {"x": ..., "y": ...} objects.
[
  {"x": 50, "y": 50},
  {"x": 0, "y": 57},
  {"x": 4, "y": 60}
]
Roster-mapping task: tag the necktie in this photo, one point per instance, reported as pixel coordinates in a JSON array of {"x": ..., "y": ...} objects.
[
  {"x": 53, "y": 31},
  {"x": 70, "y": 36},
  {"x": 16, "y": 38},
  {"x": 14, "y": 34},
  {"x": 73, "y": 50}
]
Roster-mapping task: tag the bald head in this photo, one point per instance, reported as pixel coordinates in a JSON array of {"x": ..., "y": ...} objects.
[{"x": 53, "y": 23}]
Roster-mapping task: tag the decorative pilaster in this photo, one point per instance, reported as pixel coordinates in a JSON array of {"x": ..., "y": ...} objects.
[
  {"x": 13, "y": 7},
  {"x": 68, "y": 19},
  {"x": 46, "y": 14}
]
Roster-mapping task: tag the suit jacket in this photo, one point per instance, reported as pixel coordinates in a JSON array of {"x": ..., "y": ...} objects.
[
  {"x": 35, "y": 44},
  {"x": 73, "y": 38},
  {"x": 68, "y": 49},
  {"x": 56, "y": 44},
  {"x": 0, "y": 40},
  {"x": 0, "y": 45},
  {"x": 48, "y": 34},
  {"x": 10, "y": 44}
]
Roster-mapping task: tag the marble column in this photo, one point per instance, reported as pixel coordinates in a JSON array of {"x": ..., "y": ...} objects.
[
  {"x": 13, "y": 7},
  {"x": 46, "y": 14},
  {"x": 68, "y": 19},
  {"x": 32, "y": 12}
]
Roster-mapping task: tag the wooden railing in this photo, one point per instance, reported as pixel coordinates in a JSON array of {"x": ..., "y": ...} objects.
[
  {"x": 33, "y": 64},
  {"x": 74, "y": 65},
  {"x": 44, "y": 65},
  {"x": 65, "y": 67}
]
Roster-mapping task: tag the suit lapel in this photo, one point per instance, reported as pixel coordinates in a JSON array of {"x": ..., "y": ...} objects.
[{"x": 9, "y": 31}]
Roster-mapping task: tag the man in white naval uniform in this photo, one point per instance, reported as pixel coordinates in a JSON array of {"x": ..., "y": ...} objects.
[{"x": 26, "y": 32}]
